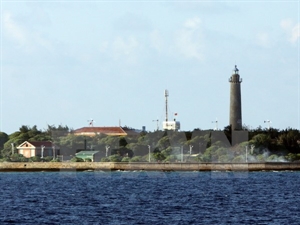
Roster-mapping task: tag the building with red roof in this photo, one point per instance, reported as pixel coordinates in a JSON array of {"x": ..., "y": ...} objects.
[{"x": 112, "y": 131}]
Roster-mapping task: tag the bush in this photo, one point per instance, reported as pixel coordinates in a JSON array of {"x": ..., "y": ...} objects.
[
  {"x": 206, "y": 158},
  {"x": 158, "y": 156},
  {"x": 115, "y": 158},
  {"x": 6, "y": 159},
  {"x": 224, "y": 159},
  {"x": 171, "y": 158},
  {"x": 75, "y": 159},
  {"x": 18, "y": 158},
  {"x": 35, "y": 159},
  {"x": 260, "y": 158},
  {"x": 239, "y": 159},
  {"x": 55, "y": 160},
  {"x": 104, "y": 159},
  {"x": 48, "y": 158},
  {"x": 125, "y": 159},
  {"x": 136, "y": 159},
  {"x": 272, "y": 158},
  {"x": 291, "y": 157}
]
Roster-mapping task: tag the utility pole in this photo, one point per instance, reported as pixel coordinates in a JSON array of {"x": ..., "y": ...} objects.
[
  {"x": 106, "y": 150},
  {"x": 157, "y": 124},
  {"x": 42, "y": 148},
  {"x": 12, "y": 148},
  {"x": 268, "y": 121},
  {"x": 53, "y": 148},
  {"x": 246, "y": 153},
  {"x": 216, "y": 122},
  {"x": 149, "y": 147},
  {"x": 191, "y": 147}
]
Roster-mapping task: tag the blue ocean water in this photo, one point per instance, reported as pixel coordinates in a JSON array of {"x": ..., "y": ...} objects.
[{"x": 149, "y": 197}]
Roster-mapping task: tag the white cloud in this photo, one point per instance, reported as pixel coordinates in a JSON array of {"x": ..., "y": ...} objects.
[
  {"x": 156, "y": 40},
  {"x": 121, "y": 49},
  {"x": 193, "y": 23},
  {"x": 104, "y": 46},
  {"x": 295, "y": 34},
  {"x": 125, "y": 49},
  {"x": 13, "y": 30},
  {"x": 132, "y": 22},
  {"x": 26, "y": 38},
  {"x": 263, "y": 39},
  {"x": 189, "y": 39},
  {"x": 292, "y": 30},
  {"x": 286, "y": 24}
]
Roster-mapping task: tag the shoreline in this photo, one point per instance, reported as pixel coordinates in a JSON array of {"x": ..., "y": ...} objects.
[{"x": 114, "y": 166}]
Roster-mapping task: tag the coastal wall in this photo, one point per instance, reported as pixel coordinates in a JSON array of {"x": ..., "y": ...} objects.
[{"x": 81, "y": 166}]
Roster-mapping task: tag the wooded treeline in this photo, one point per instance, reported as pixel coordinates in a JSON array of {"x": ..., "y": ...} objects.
[{"x": 257, "y": 145}]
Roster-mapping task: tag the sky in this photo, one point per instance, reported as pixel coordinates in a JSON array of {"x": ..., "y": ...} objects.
[{"x": 66, "y": 62}]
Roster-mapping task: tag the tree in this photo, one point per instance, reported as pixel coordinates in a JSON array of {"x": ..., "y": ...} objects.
[
  {"x": 138, "y": 149},
  {"x": 25, "y": 133},
  {"x": 158, "y": 156},
  {"x": 261, "y": 140},
  {"x": 3, "y": 139},
  {"x": 122, "y": 142},
  {"x": 123, "y": 151}
]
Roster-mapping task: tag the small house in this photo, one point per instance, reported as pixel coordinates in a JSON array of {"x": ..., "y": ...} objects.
[{"x": 37, "y": 148}]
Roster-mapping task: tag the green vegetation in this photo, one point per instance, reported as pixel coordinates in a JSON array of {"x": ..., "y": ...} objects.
[{"x": 259, "y": 145}]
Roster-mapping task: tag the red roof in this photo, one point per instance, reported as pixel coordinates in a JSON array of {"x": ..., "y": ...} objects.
[{"x": 104, "y": 130}]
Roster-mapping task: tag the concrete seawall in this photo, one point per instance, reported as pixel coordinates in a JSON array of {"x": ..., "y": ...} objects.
[{"x": 81, "y": 166}]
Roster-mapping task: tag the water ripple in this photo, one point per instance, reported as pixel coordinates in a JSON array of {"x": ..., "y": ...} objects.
[{"x": 149, "y": 198}]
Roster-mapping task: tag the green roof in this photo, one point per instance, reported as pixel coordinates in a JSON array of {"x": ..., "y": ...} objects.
[{"x": 86, "y": 154}]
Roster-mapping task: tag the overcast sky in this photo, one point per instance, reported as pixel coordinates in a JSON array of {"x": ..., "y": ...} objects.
[{"x": 65, "y": 62}]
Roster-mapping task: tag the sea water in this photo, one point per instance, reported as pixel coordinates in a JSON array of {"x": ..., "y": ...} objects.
[{"x": 140, "y": 197}]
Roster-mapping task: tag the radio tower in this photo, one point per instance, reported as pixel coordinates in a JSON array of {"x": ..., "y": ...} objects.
[
  {"x": 235, "y": 117},
  {"x": 173, "y": 124},
  {"x": 166, "y": 96}
]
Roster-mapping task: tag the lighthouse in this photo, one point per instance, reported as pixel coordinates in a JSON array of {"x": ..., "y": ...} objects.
[{"x": 235, "y": 115}]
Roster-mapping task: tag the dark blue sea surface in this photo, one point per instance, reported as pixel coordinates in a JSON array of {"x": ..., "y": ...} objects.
[{"x": 150, "y": 197}]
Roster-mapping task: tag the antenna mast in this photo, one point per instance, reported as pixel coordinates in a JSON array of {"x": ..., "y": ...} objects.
[
  {"x": 166, "y": 96},
  {"x": 91, "y": 122}
]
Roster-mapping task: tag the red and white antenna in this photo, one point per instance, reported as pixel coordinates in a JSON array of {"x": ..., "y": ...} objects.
[{"x": 175, "y": 116}]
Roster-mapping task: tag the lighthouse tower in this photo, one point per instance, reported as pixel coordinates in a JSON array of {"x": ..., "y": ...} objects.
[{"x": 235, "y": 117}]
